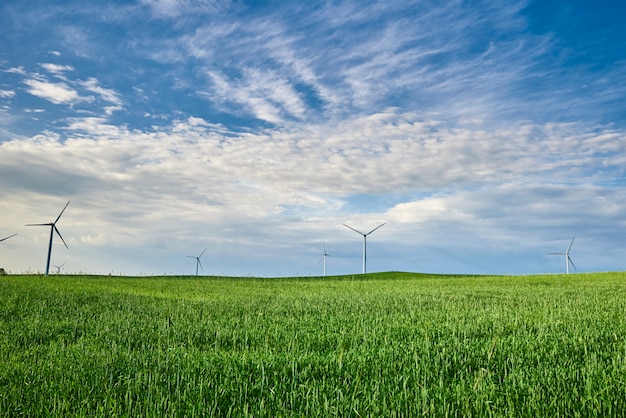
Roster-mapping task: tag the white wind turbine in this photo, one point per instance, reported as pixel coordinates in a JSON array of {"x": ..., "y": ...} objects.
[
  {"x": 198, "y": 263},
  {"x": 324, "y": 258},
  {"x": 364, "y": 243},
  {"x": 568, "y": 260}
]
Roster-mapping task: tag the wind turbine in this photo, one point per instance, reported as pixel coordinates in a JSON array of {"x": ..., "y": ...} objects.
[
  {"x": 198, "y": 263},
  {"x": 364, "y": 243},
  {"x": 53, "y": 228},
  {"x": 10, "y": 236},
  {"x": 324, "y": 258},
  {"x": 58, "y": 267},
  {"x": 567, "y": 259}
]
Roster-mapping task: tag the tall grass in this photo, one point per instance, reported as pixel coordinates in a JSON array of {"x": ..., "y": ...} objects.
[{"x": 378, "y": 345}]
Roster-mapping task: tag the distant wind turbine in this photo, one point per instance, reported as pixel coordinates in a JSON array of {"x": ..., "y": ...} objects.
[
  {"x": 198, "y": 263},
  {"x": 364, "y": 243},
  {"x": 324, "y": 258},
  {"x": 53, "y": 228},
  {"x": 568, "y": 260},
  {"x": 58, "y": 267},
  {"x": 10, "y": 236}
]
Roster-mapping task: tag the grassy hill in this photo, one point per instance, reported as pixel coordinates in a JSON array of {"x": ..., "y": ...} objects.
[{"x": 381, "y": 344}]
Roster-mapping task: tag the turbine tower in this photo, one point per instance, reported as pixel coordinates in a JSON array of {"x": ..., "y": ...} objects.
[
  {"x": 364, "y": 243},
  {"x": 10, "y": 236},
  {"x": 198, "y": 263},
  {"x": 568, "y": 260},
  {"x": 53, "y": 228}
]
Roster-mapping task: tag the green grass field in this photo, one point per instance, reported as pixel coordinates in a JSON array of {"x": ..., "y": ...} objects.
[{"x": 392, "y": 344}]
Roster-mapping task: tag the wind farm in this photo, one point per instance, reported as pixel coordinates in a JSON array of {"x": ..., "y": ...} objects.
[
  {"x": 283, "y": 329},
  {"x": 323, "y": 259},
  {"x": 378, "y": 186}
]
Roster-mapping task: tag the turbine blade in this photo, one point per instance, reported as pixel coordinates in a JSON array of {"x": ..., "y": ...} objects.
[
  {"x": 376, "y": 228},
  {"x": 556, "y": 253},
  {"x": 357, "y": 231},
  {"x": 570, "y": 260},
  {"x": 200, "y": 264},
  {"x": 190, "y": 256},
  {"x": 570, "y": 244},
  {"x": 10, "y": 236},
  {"x": 59, "y": 234},
  {"x": 48, "y": 224},
  {"x": 58, "y": 217},
  {"x": 202, "y": 253}
]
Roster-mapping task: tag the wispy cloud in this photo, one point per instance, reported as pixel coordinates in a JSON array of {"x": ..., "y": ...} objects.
[
  {"x": 175, "y": 8},
  {"x": 367, "y": 60},
  {"x": 16, "y": 70},
  {"x": 264, "y": 94},
  {"x": 70, "y": 91},
  {"x": 108, "y": 95},
  {"x": 56, "y": 68}
]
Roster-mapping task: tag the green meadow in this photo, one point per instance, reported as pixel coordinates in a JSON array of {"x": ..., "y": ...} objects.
[{"x": 388, "y": 344}]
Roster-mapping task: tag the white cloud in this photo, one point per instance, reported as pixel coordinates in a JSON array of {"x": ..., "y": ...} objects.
[
  {"x": 69, "y": 91},
  {"x": 16, "y": 70},
  {"x": 105, "y": 94},
  {"x": 108, "y": 95},
  {"x": 56, "y": 69},
  {"x": 7, "y": 94},
  {"x": 56, "y": 93}
]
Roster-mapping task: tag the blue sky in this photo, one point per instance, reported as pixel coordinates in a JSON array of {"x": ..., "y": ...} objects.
[{"x": 485, "y": 134}]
